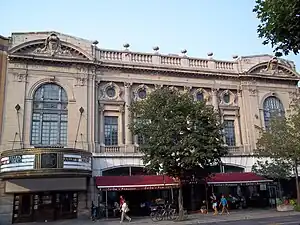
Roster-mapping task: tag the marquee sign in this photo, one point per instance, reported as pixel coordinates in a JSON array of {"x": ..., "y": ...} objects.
[
  {"x": 72, "y": 161},
  {"x": 17, "y": 163},
  {"x": 27, "y": 162}
]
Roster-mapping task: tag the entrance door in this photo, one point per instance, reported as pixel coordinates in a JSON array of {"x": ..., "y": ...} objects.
[
  {"x": 23, "y": 208},
  {"x": 46, "y": 207}
]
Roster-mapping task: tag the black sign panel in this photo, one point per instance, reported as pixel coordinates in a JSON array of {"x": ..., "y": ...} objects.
[
  {"x": 15, "y": 159},
  {"x": 49, "y": 160}
]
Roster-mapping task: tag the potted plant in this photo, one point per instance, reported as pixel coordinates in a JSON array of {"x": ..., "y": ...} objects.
[{"x": 284, "y": 206}]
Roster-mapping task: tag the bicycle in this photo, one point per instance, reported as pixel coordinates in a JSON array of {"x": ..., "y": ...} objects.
[
  {"x": 167, "y": 213},
  {"x": 155, "y": 212}
]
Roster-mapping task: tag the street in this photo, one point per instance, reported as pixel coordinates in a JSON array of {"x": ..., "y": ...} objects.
[{"x": 262, "y": 221}]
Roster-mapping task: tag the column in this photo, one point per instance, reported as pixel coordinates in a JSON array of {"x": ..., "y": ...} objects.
[
  {"x": 121, "y": 126},
  {"x": 237, "y": 129},
  {"x": 91, "y": 112},
  {"x": 127, "y": 96},
  {"x": 101, "y": 124},
  {"x": 215, "y": 103}
]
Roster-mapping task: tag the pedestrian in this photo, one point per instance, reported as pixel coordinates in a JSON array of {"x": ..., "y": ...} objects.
[
  {"x": 203, "y": 208},
  {"x": 224, "y": 205},
  {"x": 124, "y": 211},
  {"x": 214, "y": 203}
]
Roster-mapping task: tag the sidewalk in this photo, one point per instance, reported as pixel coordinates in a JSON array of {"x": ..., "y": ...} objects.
[{"x": 192, "y": 219}]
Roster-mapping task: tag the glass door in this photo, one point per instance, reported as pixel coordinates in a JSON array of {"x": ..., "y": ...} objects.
[{"x": 23, "y": 208}]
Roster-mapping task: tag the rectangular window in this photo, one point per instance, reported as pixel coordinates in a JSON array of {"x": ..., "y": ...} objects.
[
  {"x": 49, "y": 129},
  {"x": 111, "y": 130},
  {"x": 229, "y": 131}
]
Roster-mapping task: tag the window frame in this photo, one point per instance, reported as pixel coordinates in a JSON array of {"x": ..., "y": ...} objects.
[
  {"x": 113, "y": 140},
  {"x": 61, "y": 112},
  {"x": 232, "y": 139}
]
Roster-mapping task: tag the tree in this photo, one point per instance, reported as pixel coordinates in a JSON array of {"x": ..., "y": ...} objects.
[
  {"x": 280, "y": 141},
  {"x": 276, "y": 169},
  {"x": 279, "y": 24},
  {"x": 180, "y": 134}
]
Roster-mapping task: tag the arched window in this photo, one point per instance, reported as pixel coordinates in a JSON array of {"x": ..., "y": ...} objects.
[
  {"x": 272, "y": 107},
  {"x": 49, "y": 116}
]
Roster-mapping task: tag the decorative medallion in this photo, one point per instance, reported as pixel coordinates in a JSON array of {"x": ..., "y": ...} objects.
[
  {"x": 227, "y": 98},
  {"x": 53, "y": 46},
  {"x": 141, "y": 92},
  {"x": 201, "y": 95},
  {"x": 110, "y": 91}
]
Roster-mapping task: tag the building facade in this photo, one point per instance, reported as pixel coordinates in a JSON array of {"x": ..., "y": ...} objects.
[
  {"x": 67, "y": 101},
  {"x": 4, "y": 42}
]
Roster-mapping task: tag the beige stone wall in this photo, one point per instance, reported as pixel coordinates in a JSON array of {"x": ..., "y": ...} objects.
[
  {"x": 6, "y": 205},
  {"x": 22, "y": 81},
  {"x": 249, "y": 81}
]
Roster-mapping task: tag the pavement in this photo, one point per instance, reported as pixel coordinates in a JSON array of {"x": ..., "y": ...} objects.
[{"x": 247, "y": 217}]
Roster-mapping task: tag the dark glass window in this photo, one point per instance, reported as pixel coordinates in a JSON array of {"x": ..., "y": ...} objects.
[
  {"x": 199, "y": 96},
  {"x": 111, "y": 130},
  {"x": 272, "y": 108},
  {"x": 111, "y": 92},
  {"x": 142, "y": 93},
  {"x": 226, "y": 98},
  {"x": 229, "y": 132},
  {"x": 49, "y": 116}
]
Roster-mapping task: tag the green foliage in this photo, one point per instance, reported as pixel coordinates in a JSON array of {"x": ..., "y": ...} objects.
[
  {"x": 293, "y": 202},
  {"x": 180, "y": 133},
  {"x": 297, "y": 208},
  {"x": 279, "y": 24},
  {"x": 275, "y": 169}
]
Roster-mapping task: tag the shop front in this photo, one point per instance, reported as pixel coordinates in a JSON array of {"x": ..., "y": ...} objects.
[
  {"x": 140, "y": 191},
  {"x": 41, "y": 185},
  {"x": 247, "y": 189}
]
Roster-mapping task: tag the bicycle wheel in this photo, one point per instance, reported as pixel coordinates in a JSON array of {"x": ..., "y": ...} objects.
[
  {"x": 153, "y": 216},
  {"x": 172, "y": 214},
  {"x": 160, "y": 215}
]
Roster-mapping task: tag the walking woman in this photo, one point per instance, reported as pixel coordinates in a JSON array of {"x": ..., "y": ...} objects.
[
  {"x": 124, "y": 211},
  {"x": 214, "y": 203}
]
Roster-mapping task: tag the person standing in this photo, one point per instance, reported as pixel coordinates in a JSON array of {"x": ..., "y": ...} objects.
[
  {"x": 124, "y": 211},
  {"x": 224, "y": 205}
]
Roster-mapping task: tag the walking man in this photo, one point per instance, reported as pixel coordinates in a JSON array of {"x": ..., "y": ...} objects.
[
  {"x": 224, "y": 205},
  {"x": 124, "y": 211}
]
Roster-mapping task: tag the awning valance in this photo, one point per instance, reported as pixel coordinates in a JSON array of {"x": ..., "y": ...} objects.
[
  {"x": 122, "y": 183},
  {"x": 230, "y": 179}
]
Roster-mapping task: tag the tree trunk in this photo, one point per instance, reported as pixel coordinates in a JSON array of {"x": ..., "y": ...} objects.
[
  {"x": 180, "y": 203},
  {"x": 279, "y": 187},
  {"x": 297, "y": 183}
]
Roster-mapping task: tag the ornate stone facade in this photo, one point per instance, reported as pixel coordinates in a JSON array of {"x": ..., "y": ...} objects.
[{"x": 104, "y": 82}]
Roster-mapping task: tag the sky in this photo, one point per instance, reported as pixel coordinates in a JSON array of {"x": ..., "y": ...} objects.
[{"x": 224, "y": 27}]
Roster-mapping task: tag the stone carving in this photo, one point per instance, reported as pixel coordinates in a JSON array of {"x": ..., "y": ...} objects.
[
  {"x": 158, "y": 86},
  {"x": 127, "y": 85},
  {"x": 141, "y": 92},
  {"x": 53, "y": 46},
  {"x": 121, "y": 109},
  {"x": 272, "y": 65},
  {"x": 187, "y": 88},
  {"x": 252, "y": 91},
  {"x": 81, "y": 80},
  {"x": 200, "y": 91},
  {"x": 20, "y": 77},
  {"x": 228, "y": 98},
  {"x": 110, "y": 91}
]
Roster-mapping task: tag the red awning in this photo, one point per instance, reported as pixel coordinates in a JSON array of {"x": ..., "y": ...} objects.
[
  {"x": 119, "y": 183},
  {"x": 236, "y": 178}
]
